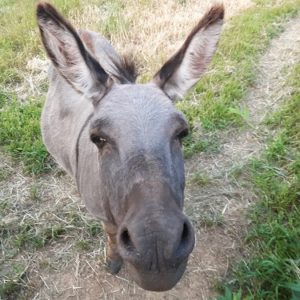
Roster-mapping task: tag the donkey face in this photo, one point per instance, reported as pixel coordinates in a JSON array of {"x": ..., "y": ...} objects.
[
  {"x": 138, "y": 136},
  {"x": 138, "y": 132},
  {"x": 141, "y": 168}
]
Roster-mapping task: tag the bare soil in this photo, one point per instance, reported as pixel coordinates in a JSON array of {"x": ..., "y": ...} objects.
[{"x": 60, "y": 272}]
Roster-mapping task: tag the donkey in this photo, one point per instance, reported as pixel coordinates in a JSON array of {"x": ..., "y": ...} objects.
[{"x": 121, "y": 141}]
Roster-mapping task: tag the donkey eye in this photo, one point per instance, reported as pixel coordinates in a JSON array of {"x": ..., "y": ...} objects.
[
  {"x": 98, "y": 140},
  {"x": 182, "y": 134}
]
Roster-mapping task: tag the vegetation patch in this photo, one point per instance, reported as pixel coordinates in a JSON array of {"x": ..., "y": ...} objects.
[
  {"x": 5, "y": 174},
  {"x": 11, "y": 281},
  {"x": 33, "y": 234},
  {"x": 198, "y": 142},
  {"x": 217, "y": 96},
  {"x": 28, "y": 225},
  {"x": 19, "y": 38},
  {"x": 200, "y": 179},
  {"x": 20, "y": 135},
  {"x": 273, "y": 270},
  {"x": 36, "y": 219}
]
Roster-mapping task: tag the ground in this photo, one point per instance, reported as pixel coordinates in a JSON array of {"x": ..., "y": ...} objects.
[{"x": 216, "y": 202}]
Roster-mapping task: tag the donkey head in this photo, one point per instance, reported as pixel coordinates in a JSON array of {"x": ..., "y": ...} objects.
[{"x": 138, "y": 132}]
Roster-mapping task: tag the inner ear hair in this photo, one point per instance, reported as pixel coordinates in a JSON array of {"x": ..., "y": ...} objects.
[
  {"x": 185, "y": 67},
  {"x": 68, "y": 53}
]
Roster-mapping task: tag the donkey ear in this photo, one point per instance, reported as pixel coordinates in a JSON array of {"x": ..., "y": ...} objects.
[
  {"x": 68, "y": 54},
  {"x": 186, "y": 66}
]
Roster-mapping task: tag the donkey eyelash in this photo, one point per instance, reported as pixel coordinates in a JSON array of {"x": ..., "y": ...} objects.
[
  {"x": 98, "y": 140},
  {"x": 182, "y": 134}
]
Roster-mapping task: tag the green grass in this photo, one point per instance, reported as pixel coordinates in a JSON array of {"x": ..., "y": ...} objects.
[
  {"x": 5, "y": 174},
  {"x": 13, "y": 281},
  {"x": 115, "y": 24},
  {"x": 24, "y": 235},
  {"x": 203, "y": 143},
  {"x": 16, "y": 237},
  {"x": 83, "y": 245},
  {"x": 271, "y": 272},
  {"x": 200, "y": 179},
  {"x": 233, "y": 70},
  {"x": 28, "y": 237},
  {"x": 273, "y": 269},
  {"x": 19, "y": 38},
  {"x": 30, "y": 234},
  {"x": 229, "y": 295},
  {"x": 34, "y": 192},
  {"x": 20, "y": 135},
  {"x": 218, "y": 93}
]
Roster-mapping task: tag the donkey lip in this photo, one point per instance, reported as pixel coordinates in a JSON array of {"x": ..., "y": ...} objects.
[{"x": 155, "y": 280}]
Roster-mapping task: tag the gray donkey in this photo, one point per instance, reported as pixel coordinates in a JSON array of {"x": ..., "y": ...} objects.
[{"x": 121, "y": 141}]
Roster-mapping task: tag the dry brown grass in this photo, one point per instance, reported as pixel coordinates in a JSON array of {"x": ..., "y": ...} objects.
[
  {"x": 151, "y": 30},
  {"x": 62, "y": 270}
]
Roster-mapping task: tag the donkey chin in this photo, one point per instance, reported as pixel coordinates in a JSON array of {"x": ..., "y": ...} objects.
[
  {"x": 160, "y": 280},
  {"x": 156, "y": 273},
  {"x": 151, "y": 269}
]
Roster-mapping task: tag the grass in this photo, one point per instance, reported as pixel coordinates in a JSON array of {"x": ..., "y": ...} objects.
[
  {"x": 5, "y": 174},
  {"x": 216, "y": 101},
  {"x": 19, "y": 36},
  {"x": 34, "y": 225},
  {"x": 204, "y": 143},
  {"x": 28, "y": 226},
  {"x": 20, "y": 135},
  {"x": 273, "y": 269},
  {"x": 200, "y": 179},
  {"x": 13, "y": 281}
]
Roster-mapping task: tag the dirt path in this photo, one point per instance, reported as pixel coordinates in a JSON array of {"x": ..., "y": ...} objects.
[{"x": 59, "y": 272}]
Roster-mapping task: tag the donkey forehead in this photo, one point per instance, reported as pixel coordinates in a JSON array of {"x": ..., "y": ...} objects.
[{"x": 137, "y": 107}]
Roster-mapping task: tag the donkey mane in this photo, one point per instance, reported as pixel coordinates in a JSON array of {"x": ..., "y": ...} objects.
[{"x": 126, "y": 70}]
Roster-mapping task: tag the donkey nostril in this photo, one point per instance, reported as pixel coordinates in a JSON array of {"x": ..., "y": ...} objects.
[
  {"x": 125, "y": 239},
  {"x": 184, "y": 234},
  {"x": 186, "y": 243}
]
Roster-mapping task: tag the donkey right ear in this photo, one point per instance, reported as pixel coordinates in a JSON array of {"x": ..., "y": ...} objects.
[
  {"x": 69, "y": 55},
  {"x": 185, "y": 67}
]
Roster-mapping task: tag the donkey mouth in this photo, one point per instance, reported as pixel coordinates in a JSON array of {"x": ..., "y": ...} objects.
[{"x": 157, "y": 280}]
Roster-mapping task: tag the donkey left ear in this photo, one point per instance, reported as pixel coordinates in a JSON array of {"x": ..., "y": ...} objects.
[
  {"x": 184, "y": 68},
  {"x": 69, "y": 55}
]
